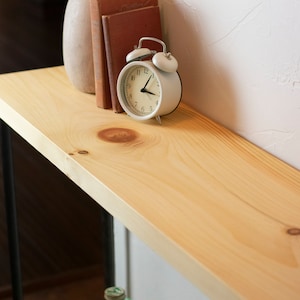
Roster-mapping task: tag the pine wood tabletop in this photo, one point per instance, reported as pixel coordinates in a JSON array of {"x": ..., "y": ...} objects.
[{"x": 221, "y": 210}]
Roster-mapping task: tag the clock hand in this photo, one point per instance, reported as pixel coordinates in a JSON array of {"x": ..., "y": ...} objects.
[
  {"x": 150, "y": 93},
  {"x": 143, "y": 90},
  {"x": 147, "y": 83}
]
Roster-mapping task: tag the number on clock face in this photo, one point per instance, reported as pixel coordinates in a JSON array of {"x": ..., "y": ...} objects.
[{"x": 142, "y": 90}]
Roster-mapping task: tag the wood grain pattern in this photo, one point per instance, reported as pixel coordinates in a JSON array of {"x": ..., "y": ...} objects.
[{"x": 222, "y": 211}]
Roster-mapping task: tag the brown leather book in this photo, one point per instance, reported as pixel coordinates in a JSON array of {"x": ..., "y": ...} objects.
[
  {"x": 99, "y": 8},
  {"x": 121, "y": 32},
  {"x": 100, "y": 68}
]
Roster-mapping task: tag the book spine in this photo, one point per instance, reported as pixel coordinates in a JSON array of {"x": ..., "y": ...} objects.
[
  {"x": 110, "y": 66},
  {"x": 103, "y": 99}
]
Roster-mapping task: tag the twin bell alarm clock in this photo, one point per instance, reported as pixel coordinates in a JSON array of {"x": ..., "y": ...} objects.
[{"x": 149, "y": 88}]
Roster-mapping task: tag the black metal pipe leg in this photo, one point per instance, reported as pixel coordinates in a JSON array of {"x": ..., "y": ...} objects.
[
  {"x": 11, "y": 212},
  {"x": 108, "y": 234}
]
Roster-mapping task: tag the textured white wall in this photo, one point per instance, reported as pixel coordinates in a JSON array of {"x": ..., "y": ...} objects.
[{"x": 240, "y": 65}]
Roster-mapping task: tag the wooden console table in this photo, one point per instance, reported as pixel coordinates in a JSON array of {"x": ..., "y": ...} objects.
[{"x": 222, "y": 211}]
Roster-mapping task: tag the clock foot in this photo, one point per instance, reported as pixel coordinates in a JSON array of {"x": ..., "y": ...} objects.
[{"x": 158, "y": 119}]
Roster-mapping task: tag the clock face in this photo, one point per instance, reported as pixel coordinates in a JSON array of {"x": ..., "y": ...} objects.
[{"x": 142, "y": 90}]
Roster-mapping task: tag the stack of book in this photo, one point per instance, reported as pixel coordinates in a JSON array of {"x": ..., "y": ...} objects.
[{"x": 117, "y": 26}]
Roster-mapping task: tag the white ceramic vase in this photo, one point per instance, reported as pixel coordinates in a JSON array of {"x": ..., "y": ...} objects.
[{"x": 77, "y": 45}]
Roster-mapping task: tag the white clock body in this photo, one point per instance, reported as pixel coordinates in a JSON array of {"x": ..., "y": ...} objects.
[{"x": 144, "y": 91}]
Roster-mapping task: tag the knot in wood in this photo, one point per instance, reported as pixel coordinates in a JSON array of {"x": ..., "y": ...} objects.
[
  {"x": 83, "y": 152},
  {"x": 117, "y": 135},
  {"x": 293, "y": 231}
]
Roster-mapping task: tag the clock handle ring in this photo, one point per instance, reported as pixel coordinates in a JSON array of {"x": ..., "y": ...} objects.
[
  {"x": 154, "y": 40},
  {"x": 162, "y": 60}
]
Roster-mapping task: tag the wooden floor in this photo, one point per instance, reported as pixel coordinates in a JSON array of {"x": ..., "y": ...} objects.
[
  {"x": 85, "y": 289},
  {"x": 60, "y": 226}
]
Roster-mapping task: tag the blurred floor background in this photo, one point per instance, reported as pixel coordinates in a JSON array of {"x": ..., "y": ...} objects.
[{"x": 61, "y": 238}]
